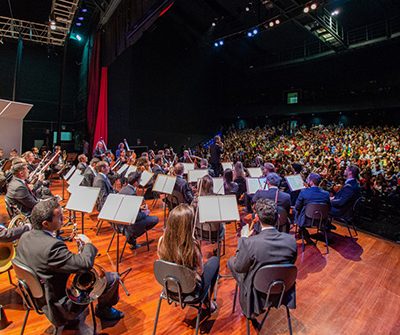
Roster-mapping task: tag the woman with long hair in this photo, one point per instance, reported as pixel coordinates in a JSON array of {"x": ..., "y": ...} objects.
[
  {"x": 239, "y": 177},
  {"x": 230, "y": 186},
  {"x": 178, "y": 246}
]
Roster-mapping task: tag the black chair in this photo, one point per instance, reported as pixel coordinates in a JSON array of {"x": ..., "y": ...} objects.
[
  {"x": 272, "y": 281},
  {"x": 179, "y": 287},
  {"x": 210, "y": 232},
  {"x": 283, "y": 223},
  {"x": 32, "y": 291},
  {"x": 348, "y": 220},
  {"x": 319, "y": 215},
  {"x": 12, "y": 210}
]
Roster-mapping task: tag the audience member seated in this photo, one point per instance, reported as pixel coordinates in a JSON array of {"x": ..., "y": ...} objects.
[
  {"x": 143, "y": 221},
  {"x": 311, "y": 195},
  {"x": 52, "y": 262},
  {"x": 230, "y": 186},
  {"x": 181, "y": 185},
  {"x": 177, "y": 245},
  {"x": 268, "y": 247},
  {"x": 19, "y": 193}
]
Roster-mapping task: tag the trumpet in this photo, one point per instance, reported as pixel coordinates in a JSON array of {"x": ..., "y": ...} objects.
[{"x": 83, "y": 288}]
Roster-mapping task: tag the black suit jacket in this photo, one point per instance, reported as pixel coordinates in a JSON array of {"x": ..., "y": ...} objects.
[
  {"x": 183, "y": 187},
  {"x": 52, "y": 262},
  {"x": 344, "y": 200},
  {"x": 18, "y": 194},
  {"x": 283, "y": 198},
  {"x": 311, "y": 195},
  {"x": 215, "y": 153},
  {"x": 82, "y": 167},
  {"x": 106, "y": 188},
  {"x": 268, "y": 247},
  {"x": 88, "y": 177}
]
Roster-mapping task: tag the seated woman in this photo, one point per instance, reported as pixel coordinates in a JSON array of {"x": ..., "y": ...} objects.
[
  {"x": 177, "y": 245},
  {"x": 230, "y": 186},
  {"x": 239, "y": 177}
]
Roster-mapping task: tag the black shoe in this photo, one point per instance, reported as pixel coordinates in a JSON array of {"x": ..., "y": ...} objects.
[{"x": 109, "y": 314}]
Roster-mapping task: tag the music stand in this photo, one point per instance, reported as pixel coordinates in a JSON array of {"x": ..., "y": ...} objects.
[
  {"x": 227, "y": 165},
  {"x": 164, "y": 184},
  {"x": 295, "y": 182},
  {"x": 120, "y": 209},
  {"x": 82, "y": 200},
  {"x": 187, "y": 167},
  {"x": 195, "y": 175},
  {"x": 66, "y": 177},
  {"x": 218, "y": 186},
  {"x": 255, "y": 172},
  {"x": 255, "y": 184}
]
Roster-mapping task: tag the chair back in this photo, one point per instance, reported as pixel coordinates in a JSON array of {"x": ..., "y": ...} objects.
[
  {"x": 29, "y": 284},
  {"x": 318, "y": 212},
  {"x": 275, "y": 279},
  {"x": 175, "y": 279},
  {"x": 12, "y": 210},
  {"x": 282, "y": 218},
  {"x": 175, "y": 199}
]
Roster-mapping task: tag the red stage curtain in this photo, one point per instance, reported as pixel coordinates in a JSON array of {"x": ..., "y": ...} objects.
[
  {"x": 101, "y": 129},
  {"x": 93, "y": 88}
]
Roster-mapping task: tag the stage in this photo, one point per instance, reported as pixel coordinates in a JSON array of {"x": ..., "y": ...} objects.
[{"x": 353, "y": 290}]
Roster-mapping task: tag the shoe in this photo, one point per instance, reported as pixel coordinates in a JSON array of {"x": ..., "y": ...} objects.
[{"x": 109, "y": 314}]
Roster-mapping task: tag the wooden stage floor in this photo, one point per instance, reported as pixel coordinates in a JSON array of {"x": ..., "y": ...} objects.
[{"x": 353, "y": 290}]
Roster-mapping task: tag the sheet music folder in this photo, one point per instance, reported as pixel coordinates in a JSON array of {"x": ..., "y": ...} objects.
[
  {"x": 83, "y": 199},
  {"x": 164, "y": 184},
  {"x": 120, "y": 208},
  {"x": 145, "y": 177},
  {"x": 255, "y": 184},
  {"x": 295, "y": 182},
  {"x": 218, "y": 208},
  {"x": 70, "y": 172}
]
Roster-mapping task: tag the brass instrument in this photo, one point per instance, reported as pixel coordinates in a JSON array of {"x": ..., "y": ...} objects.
[
  {"x": 33, "y": 173},
  {"x": 8, "y": 249},
  {"x": 83, "y": 288}
]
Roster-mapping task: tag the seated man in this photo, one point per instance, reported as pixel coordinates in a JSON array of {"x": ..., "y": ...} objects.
[
  {"x": 181, "y": 185},
  {"x": 311, "y": 195},
  {"x": 18, "y": 191},
  {"x": 343, "y": 202},
  {"x": 12, "y": 234},
  {"x": 157, "y": 169},
  {"x": 143, "y": 221},
  {"x": 90, "y": 173},
  {"x": 101, "y": 181},
  {"x": 82, "y": 165},
  {"x": 52, "y": 262},
  {"x": 268, "y": 247}
]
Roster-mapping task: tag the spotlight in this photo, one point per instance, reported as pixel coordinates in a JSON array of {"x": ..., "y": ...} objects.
[
  {"x": 81, "y": 18},
  {"x": 216, "y": 44},
  {"x": 53, "y": 26},
  {"x": 335, "y": 12},
  {"x": 84, "y": 10},
  {"x": 247, "y": 9},
  {"x": 314, "y": 6},
  {"x": 277, "y": 21},
  {"x": 213, "y": 24},
  {"x": 221, "y": 42},
  {"x": 255, "y": 31},
  {"x": 306, "y": 9},
  {"x": 78, "y": 24},
  {"x": 78, "y": 37},
  {"x": 249, "y": 34},
  {"x": 271, "y": 24}
]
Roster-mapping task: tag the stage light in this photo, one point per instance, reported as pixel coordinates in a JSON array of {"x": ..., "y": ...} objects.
[
  {"x": 81, "y": 18},
  {"x": 277, "y": 21},
  {"x": 255, "y": 31},
  {"x": 306, "y": 9},
  {"x": 271, "y": 24},
  {"x": 213, "y": 24},
  {"x": 216, "y": 44},
  {"x": 78, "y": 37},
  {"x": 221, "y": 42},
  {"x": 335, "y": 12},
  {"x": 249, "y": 34},
  {"x": 78, "y": 24},
  {"x": 84, "y": 10},
  {"x": 314, "y": 6},
  {"x": 53, "y": 26},
  {"x": 247, "y": 9}
]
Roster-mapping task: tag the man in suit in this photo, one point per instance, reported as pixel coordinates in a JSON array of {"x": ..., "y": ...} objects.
[
  {"x": 157, "y": 169},
  {"x": 82, "y": 165},
  {"x": 216, "y": 150},
  {"x": 30, "y": 159},
  {"x": 18, "y": 191},
  {"x": 12, "y": 234},
  {"x": 311, "y": 195},
  {"x": 181, "y": 185},
  {"x": 143, "y": 221},
  {"x": 268, "y": 247},
  {"x": 52, "y": 262},
  {"x": 90, "y": 173},
  {"x": 343, "y": 201},
  {"x": 102, "y": 181}
]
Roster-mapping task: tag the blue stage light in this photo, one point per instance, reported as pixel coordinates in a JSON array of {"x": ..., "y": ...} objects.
[{"x": 255, "y": 32}]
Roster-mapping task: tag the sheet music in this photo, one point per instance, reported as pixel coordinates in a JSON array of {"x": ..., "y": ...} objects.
[
  {"x": 76, "y": 178},
  {"x": 187, "y": 167},
  {"x": 218, "y": 186},
  {"x": 295, "y": 182},
  {"x": 70, "y": 172},
  {"x": 110, "y": 207},
  {"x": 263, "y": 183},
  {"x": 253, "y": 185},
  {"x": 145, "y": 177},
  {"x": 129, "y": 209},
  {"x": 227, "y": 165},
  {"x": 194, "y": 175},
  {"x": 228, "y": 208},
  {"x": 83, "y": 199},
  {"x": 209, "y": 209},
  {"x": 131, "y": 168},
  {"x": 122, "y": 169},
  {"x": 164, "y": 184},
  {"x": 255, "y": 172}
]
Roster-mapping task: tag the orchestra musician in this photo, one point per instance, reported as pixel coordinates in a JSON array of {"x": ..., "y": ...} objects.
[
  {"x": 216, "y": 150},
  {"x": 121, "y": 147},
  {"x": 157, "y": 168},
  {"x": 30, "y": 160},
  {"x": 82, "y": 165},
  {"x": 18, "y": 191},
  {"x": 99, "y": 150},
  {"x": 101, "y": 180},
  {"x": 90, "y": 173},
  {"x": 52, "y": 262},
  {"x": 12, "y": 234},
  {"x": 181, "y": 185}
]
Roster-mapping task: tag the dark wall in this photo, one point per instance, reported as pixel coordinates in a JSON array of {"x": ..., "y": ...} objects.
[{"x": 38, "y": 84}]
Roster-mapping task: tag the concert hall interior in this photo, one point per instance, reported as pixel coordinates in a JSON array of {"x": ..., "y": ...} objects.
[{"x": 200, "y": 166}]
